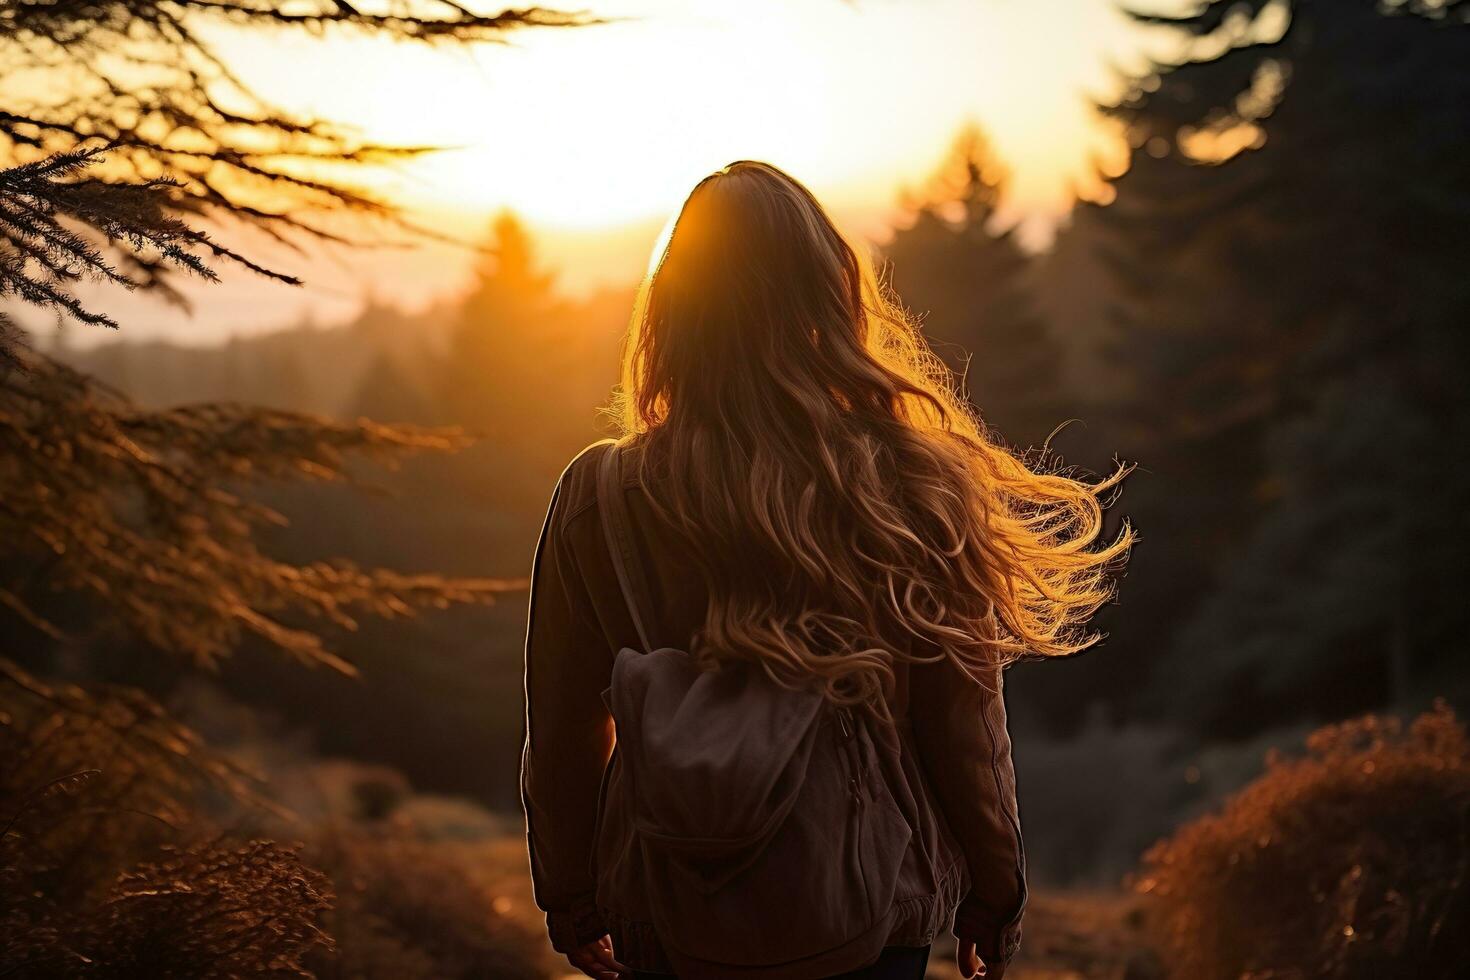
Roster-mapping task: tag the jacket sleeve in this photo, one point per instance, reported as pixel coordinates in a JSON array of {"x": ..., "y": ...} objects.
[
  {"x": 569, "y": 737},
  {"x": 960, "y": 727}
]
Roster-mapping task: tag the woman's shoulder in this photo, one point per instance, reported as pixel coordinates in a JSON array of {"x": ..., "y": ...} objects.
[{"x": 576, "y": 489}]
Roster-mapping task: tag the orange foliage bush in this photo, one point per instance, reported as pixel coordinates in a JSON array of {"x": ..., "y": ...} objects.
[
  {"x": 212, "y": 910},
  {"x": 113, "y": 864},
  {"x": 1351, "y": 862},
  {"x": 108, "y": 865}
]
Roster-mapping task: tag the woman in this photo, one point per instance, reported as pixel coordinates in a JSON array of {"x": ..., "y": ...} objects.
[{"x": 807, "y": 499}]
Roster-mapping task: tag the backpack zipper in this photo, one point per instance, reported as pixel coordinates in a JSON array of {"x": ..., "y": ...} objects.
[
  {"x": 853, "y": 752},
  {"x": 854, "y": 786}
]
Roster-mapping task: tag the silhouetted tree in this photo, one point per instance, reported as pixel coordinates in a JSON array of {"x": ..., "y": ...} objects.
[
  {"x": 968, "y": 280},
  {"x": 504, "y": 348},
  {"x": 1303, "y": 163},
  {"x": 1285, "y": 247}
]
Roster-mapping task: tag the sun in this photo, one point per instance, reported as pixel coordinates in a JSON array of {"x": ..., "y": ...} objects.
[
  {"x": 613, "y": 124},
  {"x": 598, "y": 125},
  {"x": 599, "y": 129},
  {"x": 595, "y": 135}
]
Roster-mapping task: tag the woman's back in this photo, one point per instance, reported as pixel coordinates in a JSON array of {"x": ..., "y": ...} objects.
[
  {"x": 814, "y": 507},
  {"x": 580, "y": 621}
]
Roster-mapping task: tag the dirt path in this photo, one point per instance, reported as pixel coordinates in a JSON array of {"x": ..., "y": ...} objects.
[{"x": 1072, "y": 936}]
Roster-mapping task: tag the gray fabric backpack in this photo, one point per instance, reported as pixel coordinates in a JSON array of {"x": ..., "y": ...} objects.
[{"x": 764, "y": 829}]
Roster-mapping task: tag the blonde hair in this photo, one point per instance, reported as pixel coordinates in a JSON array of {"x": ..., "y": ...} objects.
[{"x": 847, "y": 507}]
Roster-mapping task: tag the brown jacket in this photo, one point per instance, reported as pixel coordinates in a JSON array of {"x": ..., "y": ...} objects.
[{"x": 953, "y": 752}]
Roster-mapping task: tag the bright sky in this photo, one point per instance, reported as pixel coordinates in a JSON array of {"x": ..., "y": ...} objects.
[{"x": 594, "y": 135}]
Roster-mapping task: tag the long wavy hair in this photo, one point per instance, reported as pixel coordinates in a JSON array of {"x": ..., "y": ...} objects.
[{"x": 847, "y": 507}]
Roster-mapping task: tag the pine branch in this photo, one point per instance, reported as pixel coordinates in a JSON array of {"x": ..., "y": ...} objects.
[
  {"x": 147, "y": 513},
  {"x": 166, "y": 95},
  {"x": 142, "y": 83},
  {"x": 55, "y": 223}
]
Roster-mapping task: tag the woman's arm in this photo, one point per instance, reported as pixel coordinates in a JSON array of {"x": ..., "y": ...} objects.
[
  {"x": 569, "y": 736},
  {"x": 960, "y": 726}
]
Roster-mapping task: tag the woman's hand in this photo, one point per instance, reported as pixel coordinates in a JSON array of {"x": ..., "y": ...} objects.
[
  {"x": 971, "y": 965},
  {"x": 596, "y": 960}
]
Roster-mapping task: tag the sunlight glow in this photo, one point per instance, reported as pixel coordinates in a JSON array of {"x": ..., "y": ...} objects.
[
  {"x": 594, "y": 135},
  {"x": 607, "y": 125}
]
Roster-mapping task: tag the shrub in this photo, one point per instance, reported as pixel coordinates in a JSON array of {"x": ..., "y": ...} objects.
[
  {"x": 1350, "y": 862},
  {"x": 122, "y": 871},
  {"x": 212, "y": 910},
  {"x": 115, "y": 871}
]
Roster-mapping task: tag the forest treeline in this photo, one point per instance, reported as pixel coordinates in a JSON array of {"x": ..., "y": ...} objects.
[
  {"x": 1266, "y": 314},
  {"x": 1265, "y": 310}
]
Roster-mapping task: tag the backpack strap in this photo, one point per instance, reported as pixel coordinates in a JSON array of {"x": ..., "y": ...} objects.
[{"x": 617, "y": 525}]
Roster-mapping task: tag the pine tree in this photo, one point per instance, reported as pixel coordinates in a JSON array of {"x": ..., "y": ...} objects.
[
  {"x": 1285, "y": 248},
  {"x": 510, "y": 348},
  {"x": 119, "y": 523},
  {"x": 1307, "y": 174},
  {"x": 968, "y": 280}
]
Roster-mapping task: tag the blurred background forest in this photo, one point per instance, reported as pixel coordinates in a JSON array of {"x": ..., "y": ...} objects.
[{"x": 1262, "y": 302}]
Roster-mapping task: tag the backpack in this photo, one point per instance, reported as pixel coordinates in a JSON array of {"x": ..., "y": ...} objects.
[{"x": 764, "y": 831}]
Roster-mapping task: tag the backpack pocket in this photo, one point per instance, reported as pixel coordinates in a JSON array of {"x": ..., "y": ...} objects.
[
  {"x": 766, "y": 831},
  {"x": 714, "y": 759}
]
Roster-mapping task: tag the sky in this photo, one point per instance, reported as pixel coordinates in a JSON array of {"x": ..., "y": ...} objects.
[{"x": 594, "y": 135}]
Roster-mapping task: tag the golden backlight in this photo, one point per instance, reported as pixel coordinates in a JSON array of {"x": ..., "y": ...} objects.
[
  {"x": 594, "y": 135},
  {"x": 611, "y": 124}
]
